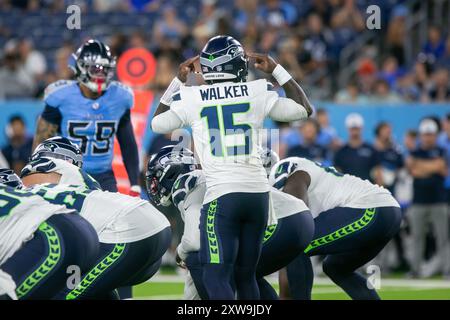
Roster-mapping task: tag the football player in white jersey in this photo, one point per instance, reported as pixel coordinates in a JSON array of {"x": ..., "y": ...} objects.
[
  {"x": 133, "y": 234},
  {"x": 173, "y": 177},
  {"x": 226, "y": 116},
  {"x": 354, "y": 219},
  {"x": 39, "y": 241}
]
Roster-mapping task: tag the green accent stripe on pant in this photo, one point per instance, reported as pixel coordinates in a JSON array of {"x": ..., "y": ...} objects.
[
  {"x": 344, "y": 231},
  {"x": 213, "y": 245},
  {"x": 54, "y": 255},
  {"x": 268, "y": 233},
  {"x": 95, "y": 272}
]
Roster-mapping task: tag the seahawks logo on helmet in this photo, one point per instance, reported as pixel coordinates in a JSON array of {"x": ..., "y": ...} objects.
[
  {"x": 10, "y": 179},
  {"x": 223, "y": 59},
  {"x": 269, "y": 158},
  {"x": 59, "y": 148},
  {"x": 163, "y": 170},
  {"x": 281, "y": 173}
]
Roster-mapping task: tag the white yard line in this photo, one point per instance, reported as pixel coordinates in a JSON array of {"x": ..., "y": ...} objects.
[{"x": 408, "y": 283}]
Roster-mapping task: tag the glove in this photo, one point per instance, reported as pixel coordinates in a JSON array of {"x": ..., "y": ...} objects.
[{"x": 135, "y": 191}]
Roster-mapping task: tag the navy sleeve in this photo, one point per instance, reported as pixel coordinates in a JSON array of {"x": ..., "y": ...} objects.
[
  {"x": 376, "y": 158},
  {"x": 337, "y": 160},
  {"x": 52, "y": 115},
  {"x": 128, "y": 146}
]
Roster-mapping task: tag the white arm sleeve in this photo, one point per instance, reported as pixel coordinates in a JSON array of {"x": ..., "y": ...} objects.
[
  {"x": 190, "y": 241},
  {"x": 166, "y": 122},
  {"x": 286, "y": 110}
]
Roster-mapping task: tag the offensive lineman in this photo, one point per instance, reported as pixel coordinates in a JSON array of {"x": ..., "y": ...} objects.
[
  {"x": 225, "y": 116},
  {"x": 39, "y": 241},
  {"x": 133, "y": 234},
  {"x": 173, "y": 177},
  {"x": 354, "y": 220}
]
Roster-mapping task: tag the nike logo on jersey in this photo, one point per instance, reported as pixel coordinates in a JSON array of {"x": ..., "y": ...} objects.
[{"x": 227, "y": 92}]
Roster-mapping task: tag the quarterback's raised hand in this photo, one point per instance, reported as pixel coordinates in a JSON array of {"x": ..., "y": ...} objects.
[
  {"x": 263, "y": 62},
  {"x": 267, "y": 64},
  {"x": 186, "y": 67}
]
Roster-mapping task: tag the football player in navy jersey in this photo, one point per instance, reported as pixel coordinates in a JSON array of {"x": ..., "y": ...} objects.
[{"x": 90, "y": 111}]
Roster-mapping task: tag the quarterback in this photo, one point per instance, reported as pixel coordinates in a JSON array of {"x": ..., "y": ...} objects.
[{"x": 226, "y": 116}]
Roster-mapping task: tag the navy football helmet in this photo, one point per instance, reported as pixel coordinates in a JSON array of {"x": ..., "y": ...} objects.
[
  {"x": 59, "y": 148},
  {"x": 9, "y": 178},
  {"x": 223, "y": 59},
  {"x": 269, "y": 158},
  {"x": 94, "y": 65},
  {"x": 163, "y": 170}
]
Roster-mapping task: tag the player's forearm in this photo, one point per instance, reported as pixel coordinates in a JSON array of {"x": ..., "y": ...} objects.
[
  {"x": 44, "y": 130},
  {"x": 287, "y": 110},
  {"x": 296, "y": 93},
  {"x": 292, "y": 88},
  {"x": 130, "y": 154},
  {"x": 166, "y": 122}
]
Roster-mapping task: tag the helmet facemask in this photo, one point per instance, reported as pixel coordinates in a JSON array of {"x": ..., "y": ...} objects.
[{"x": 95, "y": 74}]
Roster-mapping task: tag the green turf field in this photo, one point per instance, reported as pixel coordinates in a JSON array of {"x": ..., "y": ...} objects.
[{"x": 171, "y": 287}]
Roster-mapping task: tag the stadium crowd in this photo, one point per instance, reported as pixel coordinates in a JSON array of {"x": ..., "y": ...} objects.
[{"x": 307, "y": 38}]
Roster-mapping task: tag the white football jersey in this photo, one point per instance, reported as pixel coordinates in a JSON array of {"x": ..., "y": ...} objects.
[
  {"x": 226, "y": 120},
  {"x": 7, "y": 285},
  {"x": 188, "y": 193},
  {"x": 70, "y": 174},
  {"x": 115, "y": 217},
  {"x": 329, "y": 188},
  {"x": 21, "y": 213}
]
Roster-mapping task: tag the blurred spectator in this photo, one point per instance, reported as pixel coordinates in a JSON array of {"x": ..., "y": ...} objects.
[
  {"x": 317, "y": 39},
  {"x": 287, "y": 57},
  {"x": 209, "y": 16},
  {"x": 309, "y": 148},
  {"x": 407, "y": 88},
  {"x": 169, "y": 29},
  {"x": 390, "y": 71},
  {"x": 428, "y": 167},
  {"x": 165, "y": 70},
  {"x": 327, "y": 133},
  {"x": 382, "y": 93},
  {"x": 389, "y": 156},
  {"x": 366, "y": 75},
  {"x": 276, "y": 13},
  {"x": 110, "y": 5},
  {"x": 350, "y": 94},
  {"x": 434, "y": 48},
  {"x": 444, "y": 143},
  {"x": 348, "y": 18},
  {"x": 444, "y": 61},
  {"x": 439, "y": 90},
  {"x": 397, "y": 32},
  {"x": 33, "y": 60},
  {"x": 18, "y": 150},
  {"x": 357, "y": 157},
  {"x": 15, "y": 82}
]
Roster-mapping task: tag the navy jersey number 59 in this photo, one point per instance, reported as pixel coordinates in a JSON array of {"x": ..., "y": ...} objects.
[{"x": 101, "y": 140}]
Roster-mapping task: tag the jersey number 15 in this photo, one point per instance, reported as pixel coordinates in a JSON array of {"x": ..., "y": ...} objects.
[{"x": 221, "y": 124}]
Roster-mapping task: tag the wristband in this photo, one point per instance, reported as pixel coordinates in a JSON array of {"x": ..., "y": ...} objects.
[
  {"x": 173, "y": 87},
  {"x": 281, "y": 75}
]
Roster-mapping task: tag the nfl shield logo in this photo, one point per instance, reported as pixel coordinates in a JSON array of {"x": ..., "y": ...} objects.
[{"x": 95, "y": 106}]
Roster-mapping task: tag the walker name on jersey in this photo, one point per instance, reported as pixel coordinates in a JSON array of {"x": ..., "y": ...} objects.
[{"x": 226, "y": 92}]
